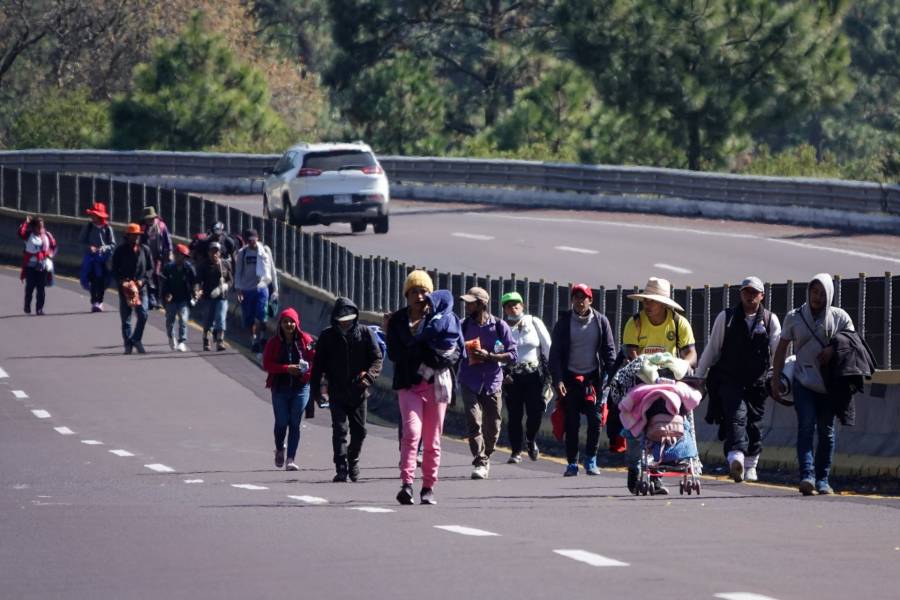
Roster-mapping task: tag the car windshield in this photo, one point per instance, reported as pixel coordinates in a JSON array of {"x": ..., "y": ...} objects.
[
  {"x": 285, "y": 163},
  {"x": 338, "y": 159}
]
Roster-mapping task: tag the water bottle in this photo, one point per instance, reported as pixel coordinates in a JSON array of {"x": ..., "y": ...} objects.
[{"x": 498, "y": 347}]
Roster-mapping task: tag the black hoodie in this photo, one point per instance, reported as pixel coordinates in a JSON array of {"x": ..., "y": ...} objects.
[{"x": 350, "y": 361}]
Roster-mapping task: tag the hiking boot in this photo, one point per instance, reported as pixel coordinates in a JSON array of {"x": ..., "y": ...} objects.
[
  {"x": 405, "y": 495},
  {"x": 172, "y": 344},
  {"x": 514, "y": 458},
  {"x": 807, "y": 487},
  {"x": 291, "y": 465},
  {"x": 279, "y": 458},
  {"x": 480, "y": 472},
  {"x": 533, "y": 451},
  {"x": 571, "y": 470},
  {"x": 139, "y": 346},
  {"x": 427, "y": 496},
  {"x": 618, "y": 444},
  {"x": 823, "y": 489},
  {"x": 206, "y": 341},
  {"x": 632, "y": 479},
  {"x": 341, "y": 475},
  {"x": 657, "y": 488},
  {"x": 590, "y": 466},
  {"x": 128, "y": 347},
  {"x": 353, "y": 472}
]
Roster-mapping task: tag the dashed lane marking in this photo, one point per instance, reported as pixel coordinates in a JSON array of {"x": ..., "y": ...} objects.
[
  {"x": 122, "y": 453},
  {"x": 742, "y": 596},
  {"x": 41, "y": 414},
  {"x": 371, "y": 509},
  {"x": 576, "y": 250},
  {"x": 92, "y": 442},
  {"x": 3, "y": 374},
  {"x": 64, "y": 431},
  {"x": 193, "y": 481},
  {"x": 248, "y": 486},
  {"x": 595, "y": 560},
  {"x": 667, "y": 267},
  {"x": 466, "y": 530},
  {"x": 310, "y": 499},
  {"x": 160, "y": 468},
  {"x": 472, "y": 236},
  {"x": 19, "y": 394}
]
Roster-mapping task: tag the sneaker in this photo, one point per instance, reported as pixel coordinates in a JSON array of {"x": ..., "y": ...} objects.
[
  {"x": 255, "y": 347},
  {"x": 590, "y": 467},
  {"x": 279, "y": 458},
  {"x": 480, "y": 472},
  {"x": 39, "y": 312},
  {"x": 206, "y": 343},
  {"x": 27, "y": 310},
  {"x": 353, "y": 472},
  {"x": 427, "y": 496},
  {"x": 341, "y": 475},
  {"x": 632, "y": 479},
  {"x": 514, "y": 458},
  {"x": 181, "y": 347},
  {"x": 571, "y": 470},
  {"x": 291, "y": 465},
  {"x": 172, "y": 344},
  {"x": 128, "y": 347},
  {"x": 823, "y": 489},
  {"x": 100, "y": 307},
  {"x": 139, "y": 347},
  {"x": 807, "y": 487},
  {"x": 618, "y": 444},
  {"x": 405, "y": 495},
  {"x": 750, "y": 474},
  {"x": 220, "y": 345},
  {"x": 533, "y": 451},
  {"x": 657, "y": 488},
  {"x": 736, "y": 470}
]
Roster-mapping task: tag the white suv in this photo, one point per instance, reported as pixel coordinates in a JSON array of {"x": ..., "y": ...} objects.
[{"x": 328, "y": 183}]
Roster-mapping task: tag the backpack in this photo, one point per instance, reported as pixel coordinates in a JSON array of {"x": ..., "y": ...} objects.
[{"x": 379, "y": 337}]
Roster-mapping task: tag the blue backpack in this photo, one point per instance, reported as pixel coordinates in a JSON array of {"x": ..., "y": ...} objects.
[{"x": 379, "y": 336}]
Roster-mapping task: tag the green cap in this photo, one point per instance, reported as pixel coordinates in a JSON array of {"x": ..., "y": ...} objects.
[{"x": 511, "y": 297}]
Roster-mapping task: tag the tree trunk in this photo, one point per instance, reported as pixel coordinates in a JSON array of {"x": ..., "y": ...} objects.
[{"x": 694, "y": 149}]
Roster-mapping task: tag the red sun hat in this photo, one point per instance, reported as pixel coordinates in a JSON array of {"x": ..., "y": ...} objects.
[
  {"x": 584, "y": 289},
  {"x": 98, "y": 210}
]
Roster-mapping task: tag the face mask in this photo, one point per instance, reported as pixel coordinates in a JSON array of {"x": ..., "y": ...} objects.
[{"x": 514, "y": 318}]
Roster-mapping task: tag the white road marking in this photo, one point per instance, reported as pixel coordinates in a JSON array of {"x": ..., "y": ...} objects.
[
  {"x": 64, "y": 430},
  {"x": 595, "y": 560},
  {"x": 92, "y": 442},
  {"x": 41, "y": 414},
  {"x": 680, "y": 270},
  {"x": 3, "y": 374},
  {"x": 310, "y": 499},
  {"x": 466, "y": 530},
  {"x": 472, "y": 236},
  {"x": 193, "y": 481},
  {"x": 19, "y": 394},
  {"x": 371, "y": 509},
  {"x": 742, "y": 596},
  {"x": 159, "y": 468},
  {"x": 248, "y": 486},
  {"x": 576, "y": 250},
  {"x": 122, "y": 453}
]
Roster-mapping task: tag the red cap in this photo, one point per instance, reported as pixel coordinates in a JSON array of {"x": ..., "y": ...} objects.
[
  {"x": 584, "y": 289},
  {"x": 182, "y": 249}
]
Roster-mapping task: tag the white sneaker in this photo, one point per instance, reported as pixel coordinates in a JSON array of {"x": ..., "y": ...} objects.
[
  {"x": 291, "y": 466},
  {"x": 181, "y": 347},
  {"x": 480, "y": 472},
  {"x": 172, "y": 344},
  {"x": 750, "y": 474},
  {"x": 736, "y": 466},
  {"x": 750, "y": 463}
]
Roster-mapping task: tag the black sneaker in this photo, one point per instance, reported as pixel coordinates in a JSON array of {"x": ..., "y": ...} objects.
[
  {"x": 128, "y": 347},
  {"x": 279, "y": 458},
  {"x": 341, "y": 475},
  {"x": 533, "y": 451},
  {"x": 514, "y": 458},
  {"x": 405, "y": 495},
  {"x": 139, "y": 347},
  {"x": 427, "y": 496},
  {"x": 353, "y": 472},
  {"x": 632, "y": 479}
]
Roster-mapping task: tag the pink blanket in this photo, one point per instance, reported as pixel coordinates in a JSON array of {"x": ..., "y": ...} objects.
[{"x": 640, "y": 398}]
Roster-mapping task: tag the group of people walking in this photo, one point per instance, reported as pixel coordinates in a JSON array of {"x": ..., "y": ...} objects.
[{"x": 490, "y": 360}]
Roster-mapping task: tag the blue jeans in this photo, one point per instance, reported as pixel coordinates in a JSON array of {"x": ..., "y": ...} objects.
[
  {"x": 181, "y": 311},
  {"x": 814, "y": 412},
  {"x": 125, "y": 316},
  {"x": 288, "y": 405},
  {"x": 216, "y": 311}
]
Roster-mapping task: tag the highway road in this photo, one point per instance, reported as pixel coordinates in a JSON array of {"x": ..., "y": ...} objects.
[
  {"x": 150, "y": 476},
  {"x": 607, "y": 249}
]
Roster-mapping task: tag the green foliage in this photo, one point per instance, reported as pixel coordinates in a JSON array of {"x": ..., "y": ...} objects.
[
  {"x": 797, "y": 161},
  {"x": 61, "y": 119},
  {"x": 195, "y": 95}
]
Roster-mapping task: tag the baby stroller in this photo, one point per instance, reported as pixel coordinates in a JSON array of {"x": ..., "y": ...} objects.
[{"x": 656, "y": 407}]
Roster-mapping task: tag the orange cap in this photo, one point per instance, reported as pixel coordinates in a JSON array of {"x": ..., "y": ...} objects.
[{"x": 133, "y": 229}]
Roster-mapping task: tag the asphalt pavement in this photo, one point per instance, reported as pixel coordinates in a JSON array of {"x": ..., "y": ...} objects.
[{"x": 151, "y": 476}]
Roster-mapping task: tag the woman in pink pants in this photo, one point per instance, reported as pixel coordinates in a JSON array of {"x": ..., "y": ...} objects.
[{"x": 423, "y": 380}]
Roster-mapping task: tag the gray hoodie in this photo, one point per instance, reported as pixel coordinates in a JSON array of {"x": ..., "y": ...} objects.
[{"x": 829, "y": 322}]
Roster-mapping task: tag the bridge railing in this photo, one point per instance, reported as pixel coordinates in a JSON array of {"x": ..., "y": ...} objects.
[{"x": 375, "y": 283}]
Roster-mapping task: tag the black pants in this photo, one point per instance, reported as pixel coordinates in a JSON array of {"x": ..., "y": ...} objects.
[
  {"x": 347, "y": 416},
  {"x": 524, "y": 396},
  {"x": 575, "y": 407},
  {"x": 743, "y": 408},
  {"x": 613, "y": 421},
  {"x": 98, "y": 288},
  {"x": 35, "y": 280}
]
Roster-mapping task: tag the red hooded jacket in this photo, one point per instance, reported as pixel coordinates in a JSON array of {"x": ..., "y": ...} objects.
[
  {"x": 273, "y": 351},
  {"x": 48, "y": 248}
]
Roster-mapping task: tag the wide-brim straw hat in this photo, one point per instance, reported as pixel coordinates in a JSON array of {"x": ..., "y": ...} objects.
[{"x": 659, "y": 290}]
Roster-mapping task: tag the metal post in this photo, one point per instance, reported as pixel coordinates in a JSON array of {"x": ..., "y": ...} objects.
[
  {"x": 837, "y": 291},
  {"x": 706, "y": 311},
  {"x": 294, "y": 251},
  {"x": 888, "y": 318},
  {"x": 790, "y": 296},
  {"x": 58, "y": 196},
  {"x": 77, "y": 196},
  {"x": 38, "y": 197},
  {"x": 93, "y": 187},
  {"x": 555, "y": 301},
  {"x": 301, "y": 255},
  {"x": 370, "y": 283},
  {"x": 386, "y": 273},
  {"x": 635, "y": 304},
  {"x": 351, "y": 276},
  {"x": 283, "y": 249},
  {"x": 726, "y": 298},
  {"x": 3, "y": 185},
  {"x": 861, "y": 320},
  {"x": 527, "y": 295},
  {"x": 689, "y": 304},
  {"x": 602, "y": 293},
  {"x": 619, "y": 315},
  {"x": 19, "y": 190}
]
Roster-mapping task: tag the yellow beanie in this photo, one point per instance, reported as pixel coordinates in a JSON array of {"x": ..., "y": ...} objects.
[{"x": 420, "y": 279}]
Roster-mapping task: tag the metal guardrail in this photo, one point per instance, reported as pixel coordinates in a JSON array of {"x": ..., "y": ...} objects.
[
  {"x": 375, "y": 283},
  {"x": 857, "y": 196}
]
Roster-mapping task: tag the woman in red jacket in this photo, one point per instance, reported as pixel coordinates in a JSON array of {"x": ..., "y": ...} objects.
[
  {"x": 287, "y": 359},
  {"x": 37, "y": 269}
]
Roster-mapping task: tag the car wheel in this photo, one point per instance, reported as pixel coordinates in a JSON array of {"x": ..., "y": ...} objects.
[
  {"x": 381, "y": 224},
  {"x": 358, "y": 226}
]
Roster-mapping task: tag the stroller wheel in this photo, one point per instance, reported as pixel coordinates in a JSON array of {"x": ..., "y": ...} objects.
[
  {"x": 644, "y": 488},
  {"x": 697, "y": 487}
]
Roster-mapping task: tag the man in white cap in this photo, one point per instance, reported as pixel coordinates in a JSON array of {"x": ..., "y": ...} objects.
[{"x": 734, "y": 362}]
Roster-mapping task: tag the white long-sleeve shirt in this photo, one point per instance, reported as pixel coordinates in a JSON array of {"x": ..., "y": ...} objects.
[
  {"x": 531, "y": 337},
  {"x": 713, "y": 349}
]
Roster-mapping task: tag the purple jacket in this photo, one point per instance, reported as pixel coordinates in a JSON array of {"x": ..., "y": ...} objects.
[{"x": 486, "y": 377}]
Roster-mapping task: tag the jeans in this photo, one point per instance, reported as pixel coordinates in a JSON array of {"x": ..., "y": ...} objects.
[
  {"x": 35, "y": 280},
  {"x": 288, "y": 405},
  {"x": 216, "y": 312},
  {"x": 814, "y": 413},
  {"x": 744, "y": 407},
  {"x": 422, "y": 418},
  {"x": 524, "y": 396},
  {"x": 179, "y": 311},
  {"x": 125, "y": 315},
  {"x": 346, "y": 418},
  {"x": 483, "y": 423},
  {"x": 575, "y": 407}
]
